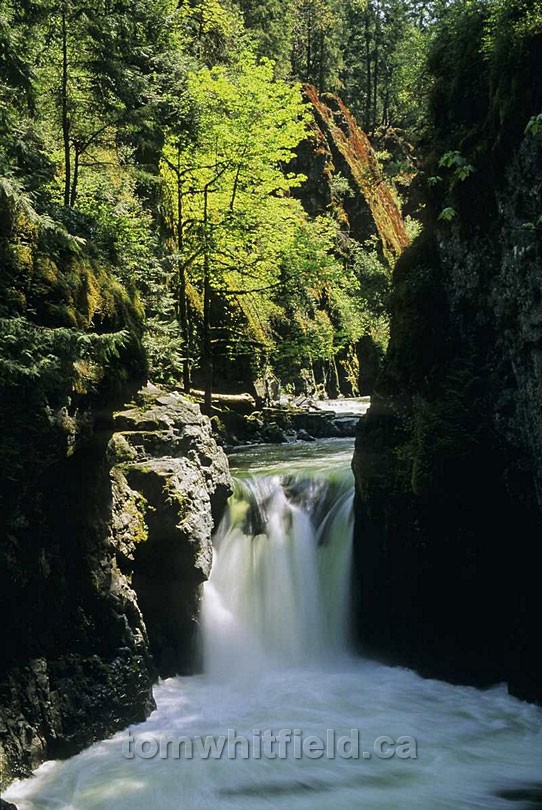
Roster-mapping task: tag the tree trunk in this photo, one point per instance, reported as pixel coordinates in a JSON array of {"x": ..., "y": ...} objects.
[
  {"x": 334, "y": 385},
  {"x": 207, "y": 343},
  {"x": 369, "y": 90},
  {"x": 65, "y": 109},
  {"x": 309, "y": 50},
  {"x": 321, "y": 79},
  {"x": 183, "y": 303},
  {"x": 386, "y": 101},
  {"x": 375, "y": 79},
  {"x": 75, "y": 181}
]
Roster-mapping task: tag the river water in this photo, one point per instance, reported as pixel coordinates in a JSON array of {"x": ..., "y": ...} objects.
[{"x": 350, "y": 732}]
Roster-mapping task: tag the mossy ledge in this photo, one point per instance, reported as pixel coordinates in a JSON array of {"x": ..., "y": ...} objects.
[{"x": 346, "y": 150}]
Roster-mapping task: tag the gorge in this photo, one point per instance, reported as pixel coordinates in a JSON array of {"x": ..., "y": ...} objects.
[
  {"x": 227, "y": 228},
  {"x": 277, "y": 655}
]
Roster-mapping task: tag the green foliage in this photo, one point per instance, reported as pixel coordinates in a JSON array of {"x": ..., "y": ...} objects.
[
  {"x": 483, "y": 59},
  {"x": 384, "y": 61},
  {"x": 211, "y": 31},
  {"x": 483, "y": 102},
  {"x": 460, "y": 167},
  {"x": 144, "y": 153},
  {"x": 340, "y": 189},
  {"x": 534, "y": 127},
  {"x": 330, "y": 304},
  {"x": 447, "y": 214},
  {"x": 53, "y": 360},
  {"x": 271, "y": 23},
  {"x": 230, "y": 195},
  {"x": 373, "y": 296},
  {"x": 317, "y": 51}
]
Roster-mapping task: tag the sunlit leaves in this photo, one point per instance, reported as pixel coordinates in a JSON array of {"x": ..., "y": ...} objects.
[{"x": 247, "y": 126}]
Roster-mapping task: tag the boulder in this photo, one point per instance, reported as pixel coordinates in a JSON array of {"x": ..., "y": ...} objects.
[
  {"x": 176, "y": 478},
  {"x": 273, "y": 434},
  {"x": 303, "y": 436}
]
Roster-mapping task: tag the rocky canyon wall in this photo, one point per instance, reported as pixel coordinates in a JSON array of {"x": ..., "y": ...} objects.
[
  {"x": 449, "y": 460},
  {"x": 106, "y": 509}
]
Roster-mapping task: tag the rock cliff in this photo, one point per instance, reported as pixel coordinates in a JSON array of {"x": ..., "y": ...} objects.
[
  {"x": 170, "y": 486},
  {"x": 103, "y": 596},
  {"x": 449, "y": 460},
  {"x": 339, "y": 148},
  {"x": 101, "y": 505},
  {"x": 345, "y": 180}
]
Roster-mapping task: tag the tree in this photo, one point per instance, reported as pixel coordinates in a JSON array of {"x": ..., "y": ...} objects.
[
  {"x": 22, "y": 154},
  {"x": 316, "y": 57},
  {"x": 213, "y": 30},
  {"x": 384, "y": 59},
  {"x": 230, "y": 193},
  {"x": 94, "y": 67},
  {"x": 271, "y": 22}
]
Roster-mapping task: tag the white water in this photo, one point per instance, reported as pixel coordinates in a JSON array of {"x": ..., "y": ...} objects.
[
  {"x": 279, "y": 591},
  {"x": 276, "y": 650}
]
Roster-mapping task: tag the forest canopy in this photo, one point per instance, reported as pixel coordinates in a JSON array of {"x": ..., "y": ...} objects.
[{"x": 158, "y": 143}]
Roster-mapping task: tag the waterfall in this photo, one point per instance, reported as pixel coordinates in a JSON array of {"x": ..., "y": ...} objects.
[
  {"x": 275, "y": 634},
  {"x": 279, "y": 592}
]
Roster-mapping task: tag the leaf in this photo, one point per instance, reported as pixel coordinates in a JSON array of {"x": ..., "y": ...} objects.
[
  {"x": 447, "y": 215},
  {"x": 534, "y": 127}
]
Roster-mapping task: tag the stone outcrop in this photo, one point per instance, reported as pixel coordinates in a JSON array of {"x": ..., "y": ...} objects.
[
  {"x": 173, "y": 480},
  {"x": 449, "y": 460},
  {"x": 101, "y": 576},
  {"x": 284, "y": 424},
  {"x": 74, "y": 661}
]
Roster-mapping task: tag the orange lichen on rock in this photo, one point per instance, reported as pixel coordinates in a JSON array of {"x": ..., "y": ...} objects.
[{"x": 348, "y": 142}]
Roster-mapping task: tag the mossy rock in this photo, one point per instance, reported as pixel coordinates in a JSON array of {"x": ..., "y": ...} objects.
[
  {"x": 119, "y": 450},
  {"x": 128, "y": 517}
]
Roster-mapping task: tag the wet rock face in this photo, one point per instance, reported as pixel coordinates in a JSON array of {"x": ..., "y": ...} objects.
[
  {"x": 75, "y": 662},
  {"x": 101, "y": 574},
  {"x": 449, "y": 461},
  {"x": 170, "y": 468},
  {"x": 339, "y": 147}
]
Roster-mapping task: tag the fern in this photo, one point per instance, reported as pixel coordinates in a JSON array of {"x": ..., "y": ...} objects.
[
  {"x": 21, "y": 203},
  {"x": 36, "y": 355}
]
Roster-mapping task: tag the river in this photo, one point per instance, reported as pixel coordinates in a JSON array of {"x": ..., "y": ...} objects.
[{"x": 297, "y": 720}]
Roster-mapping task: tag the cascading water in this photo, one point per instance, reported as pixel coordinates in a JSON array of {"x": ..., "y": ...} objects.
[
  {"x": 279, "y": 589},
  {"x": 275, "y": 637}
]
